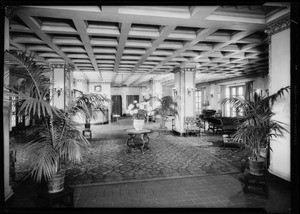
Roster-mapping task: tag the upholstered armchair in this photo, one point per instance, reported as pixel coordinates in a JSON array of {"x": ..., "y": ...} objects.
[{"x": 193, "y": 124}]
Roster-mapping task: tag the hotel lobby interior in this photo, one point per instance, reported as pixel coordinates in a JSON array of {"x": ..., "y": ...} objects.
[{"x": 118, "y": 56}]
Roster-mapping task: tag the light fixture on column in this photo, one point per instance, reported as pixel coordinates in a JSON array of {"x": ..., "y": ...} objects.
[
  {"x": 174, "y": 92},
  {"x": 257, "y": 94},
  {"x": 189, "y": 91},
  {"x": 73, "y": 93},
  {"x": 58, "y": 90}
]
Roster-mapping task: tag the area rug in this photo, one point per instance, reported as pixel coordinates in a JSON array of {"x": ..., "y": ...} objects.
[{"x": 107, "y": 161}]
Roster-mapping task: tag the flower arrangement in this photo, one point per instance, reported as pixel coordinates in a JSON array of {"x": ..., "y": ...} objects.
[{"x": 139, "y": 110}]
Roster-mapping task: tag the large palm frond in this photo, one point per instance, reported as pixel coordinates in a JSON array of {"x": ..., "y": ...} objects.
[
  {"x": 268, "y": 101},
  {"x": 167, "y": 106},
  {"x": 87, "y": 103},
  {"x": 41, "y": 153},
  {"x": 55, "y": 141},
  {"x": 37, "y": 86}
]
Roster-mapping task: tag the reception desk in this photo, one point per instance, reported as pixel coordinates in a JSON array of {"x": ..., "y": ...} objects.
[{"x": 101, "y": 118}]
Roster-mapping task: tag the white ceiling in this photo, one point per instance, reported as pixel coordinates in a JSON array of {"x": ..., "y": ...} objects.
[{"x": 133, "y": 44}]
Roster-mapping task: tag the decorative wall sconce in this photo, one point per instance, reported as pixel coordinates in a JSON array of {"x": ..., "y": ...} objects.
[
  {"x": 189, "y": 91},
  {"x": 174, "y": 92},
  {"x": 267, "y": 92},
  {"x": 73, "y": 93},
  {"x": 58, "y": 90},
  {"x": 258, "y": 92},
  {"x": 205, "y": 104},
  {"x": 97, "y": 88}
]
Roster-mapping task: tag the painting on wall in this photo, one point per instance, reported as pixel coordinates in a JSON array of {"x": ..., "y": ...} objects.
[{"x": 97, "y": 88}]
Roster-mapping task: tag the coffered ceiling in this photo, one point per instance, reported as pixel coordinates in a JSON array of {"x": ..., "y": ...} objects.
[{"x": 130, "y": 45}]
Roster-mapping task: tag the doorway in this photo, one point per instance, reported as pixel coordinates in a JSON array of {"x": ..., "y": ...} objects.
[{"x": 117, "y": 104}]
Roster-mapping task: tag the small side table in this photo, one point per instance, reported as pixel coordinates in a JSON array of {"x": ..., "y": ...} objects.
[
  {"x": 134, "y": 144},
  {"x": 116, "y": 116},
  {"x": 256, "y": 184},
  {"x": 58, "y": 197}
]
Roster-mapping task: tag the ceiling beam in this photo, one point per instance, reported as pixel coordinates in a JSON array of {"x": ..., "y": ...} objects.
[
  {"x": 165, "y": 32},
  {"x": 233, "y": 53},
  {"x": 81, "y": 29},
  {"x": 202, "y": 34},
  {"x": 125, "y": 28},
  {"x": 23, "y": 48},
  {"x": 33, "y": 25},
  {"x": 236, "y": 37}
]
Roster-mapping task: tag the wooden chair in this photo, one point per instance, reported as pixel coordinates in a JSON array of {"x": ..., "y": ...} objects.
[{"x": 193, "y": 124}]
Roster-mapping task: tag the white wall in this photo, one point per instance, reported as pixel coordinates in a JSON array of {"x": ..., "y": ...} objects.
[
  {"x": 167, "y": 91},
  {"x": 105, "y": 88},
  {"x": 185, "y": 102},
  {"x": 81, "y": 85},
  {"x": 280, "y": 77}
]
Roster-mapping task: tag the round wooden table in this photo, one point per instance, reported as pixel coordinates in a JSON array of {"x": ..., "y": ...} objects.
[{"x": 142, "y": 144}]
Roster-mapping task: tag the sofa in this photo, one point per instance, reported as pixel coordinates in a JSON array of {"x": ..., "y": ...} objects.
[{"x": 227, "y": 125}]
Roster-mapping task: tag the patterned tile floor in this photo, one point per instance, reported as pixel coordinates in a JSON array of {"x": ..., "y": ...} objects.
[{"x": 208, "y": 191}]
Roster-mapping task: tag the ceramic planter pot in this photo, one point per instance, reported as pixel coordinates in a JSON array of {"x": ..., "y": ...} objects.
[
  {"x": 138, "y": 124},
  {"x": 57, "y": 183},
  {"x": 256, "y": 167}
]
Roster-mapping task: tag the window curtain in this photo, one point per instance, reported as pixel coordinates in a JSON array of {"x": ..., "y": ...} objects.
[
  {"x": 248, "y": 90},
  {"x": 223, "y": 95}
]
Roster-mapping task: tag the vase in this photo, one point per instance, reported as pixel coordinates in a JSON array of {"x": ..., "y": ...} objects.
[{"x": 138, "y": 124}]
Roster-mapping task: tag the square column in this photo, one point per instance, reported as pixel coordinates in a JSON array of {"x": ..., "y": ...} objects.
[
  {"x": 279, "y": 33},
  {"x": 184, "y": 95},
  {"x": 8, "y": 192},
  {"x": 61, "y": 77},
  {"x": 156, "y": 90}
]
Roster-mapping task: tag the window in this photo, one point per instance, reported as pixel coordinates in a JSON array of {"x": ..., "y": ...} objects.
[
  {"x": 198, "y": 102},
  {"x": 234, "y": 91}
]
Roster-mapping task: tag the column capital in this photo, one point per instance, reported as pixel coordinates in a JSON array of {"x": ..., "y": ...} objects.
[
  {"x": 185, "y": 69},
  {"x": 61, "y": 65},
  {"x": 151, "y": 81},
  {"x": 80, "y": 80},
  {"x": 278, "y": 25},
  {"x": 188, "y": 68},
  {"x": 99, "y": 83}
]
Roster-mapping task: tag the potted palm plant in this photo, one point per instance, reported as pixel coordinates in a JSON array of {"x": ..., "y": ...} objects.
[
  {"x": 258, "y": 127},
  {"x": 86, "y": 104},
  {"x": 167, "y": 108},
  {"x": 56, "y": 139}
]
